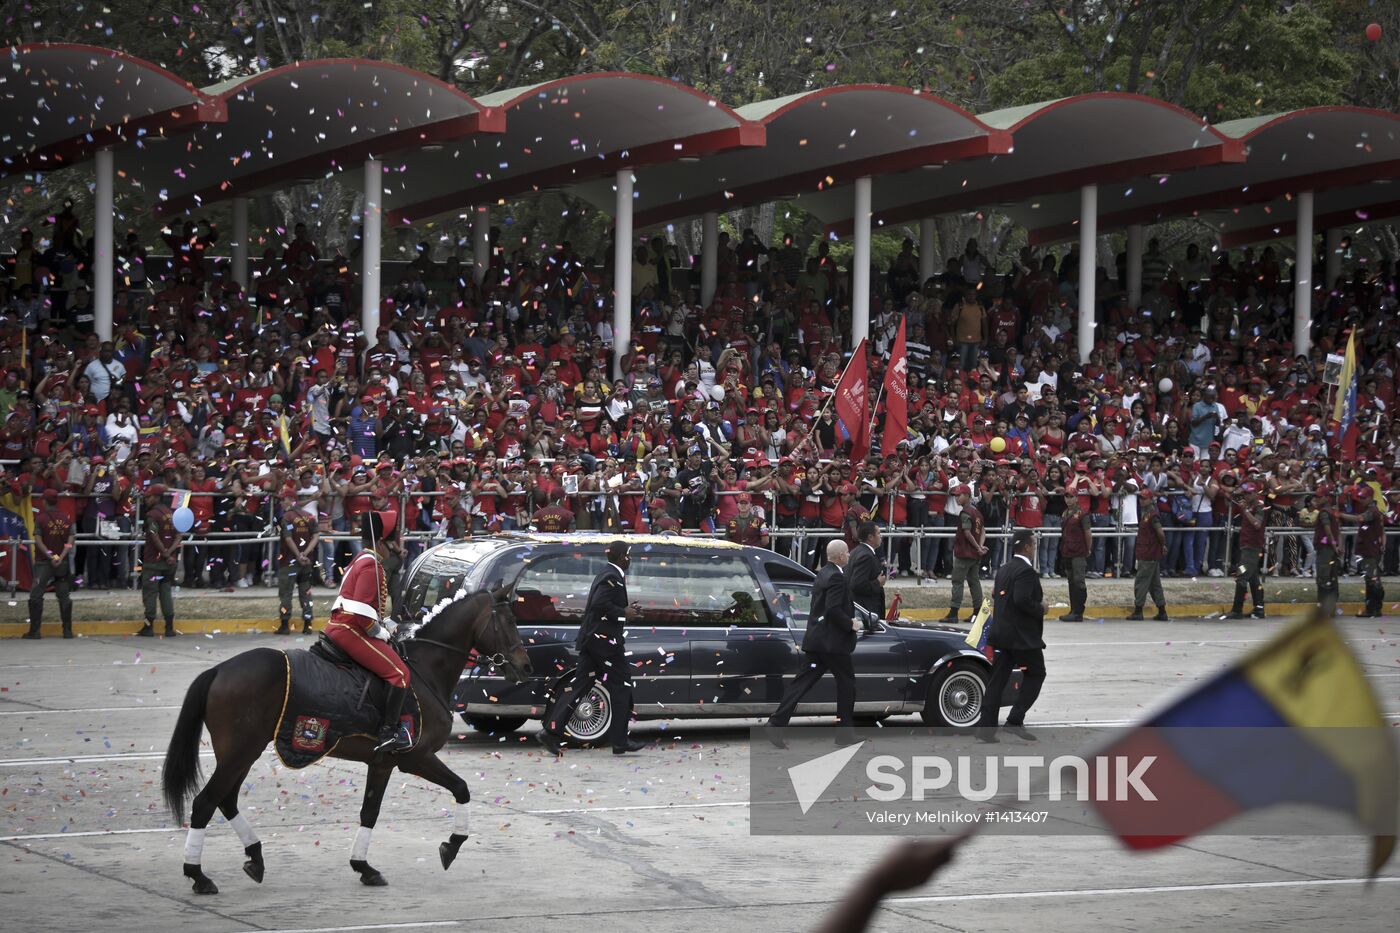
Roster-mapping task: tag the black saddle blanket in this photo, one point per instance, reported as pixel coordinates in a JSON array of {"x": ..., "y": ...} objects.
[{"x": 328, "y": 698}]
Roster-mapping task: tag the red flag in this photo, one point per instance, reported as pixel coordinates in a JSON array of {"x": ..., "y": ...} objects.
[
  {"x": 852, "y": 403},
  {"x": 896, "y": 396}
]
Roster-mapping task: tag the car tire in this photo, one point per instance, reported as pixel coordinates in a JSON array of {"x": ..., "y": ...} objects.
[
  {"x": 494, "y": 725},
  {"x": 955, "y": 695},
  {"x": 592, "y": 717}
]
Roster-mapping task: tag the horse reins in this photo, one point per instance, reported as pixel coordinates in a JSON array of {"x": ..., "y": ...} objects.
[{"x": 491, "y": 660}]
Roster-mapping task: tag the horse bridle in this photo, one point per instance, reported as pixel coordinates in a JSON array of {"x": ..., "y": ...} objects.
[{"x": 497, "y": 627}]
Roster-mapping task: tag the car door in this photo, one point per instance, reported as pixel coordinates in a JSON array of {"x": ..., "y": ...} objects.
[
  {"x": 740, "y": 655},
  {"x": 549, "y": 598},
  {"x": 881, "y": 658}
]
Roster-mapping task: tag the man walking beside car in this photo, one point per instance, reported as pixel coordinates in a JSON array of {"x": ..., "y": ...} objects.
[
  {"x": 867, "y": 573},
  {"x": 1017, "y": 624},
  {"x": 829, "y": 641},
  {"x": 602, "y": 658}
]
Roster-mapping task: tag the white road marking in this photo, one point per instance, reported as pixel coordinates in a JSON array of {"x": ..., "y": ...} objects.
[
  {"x": 23, "y": 837},
  {"x": 173, "y": 830},
  {"x": 632, "y": 809},
  {"x": 87, "y": 709},
  {"x": 89, "y": 759},
  {"x": 1118, "y": 892},
  {"x": 416, "y": 925}
]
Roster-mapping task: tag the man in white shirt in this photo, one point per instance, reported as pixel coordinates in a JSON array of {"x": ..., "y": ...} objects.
[{"x": 106, "y": 372}]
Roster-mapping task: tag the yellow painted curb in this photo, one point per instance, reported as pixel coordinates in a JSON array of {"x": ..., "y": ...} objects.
[
  {"x": 1183, "y": 610},
  {"x": 53, "y": 629}
]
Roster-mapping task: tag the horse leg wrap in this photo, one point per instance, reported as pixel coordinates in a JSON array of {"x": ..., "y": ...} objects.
[
  {"x": 194, "y": 847},
  {"x": 360, "y": 849},
  {"x": 462, "y": 821},
  {"x": 244, "y": 829},
  {"x": 253, "y": 868}
]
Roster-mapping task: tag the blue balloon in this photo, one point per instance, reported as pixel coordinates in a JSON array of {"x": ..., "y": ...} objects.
[{"x": 183, "y": 519}]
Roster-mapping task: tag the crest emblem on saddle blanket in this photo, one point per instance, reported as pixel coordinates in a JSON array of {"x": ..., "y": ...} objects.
[{"x": 309, "y": 734}]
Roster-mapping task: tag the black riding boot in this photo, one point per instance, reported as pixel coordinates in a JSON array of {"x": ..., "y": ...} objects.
[{"x": 393, "y": 734}]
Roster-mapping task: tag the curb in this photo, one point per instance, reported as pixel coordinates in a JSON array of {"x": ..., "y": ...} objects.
[
  {"x": 1182, "y": 610},
  {"x": 268, "y": 626},
  {"x": 52, "y": 627}
]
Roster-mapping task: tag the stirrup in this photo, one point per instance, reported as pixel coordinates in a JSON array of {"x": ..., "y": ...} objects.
[{"x": 400, "y": 741}]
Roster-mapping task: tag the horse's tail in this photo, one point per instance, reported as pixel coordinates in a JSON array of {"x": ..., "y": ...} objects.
[{"x": 181, "y": 775}]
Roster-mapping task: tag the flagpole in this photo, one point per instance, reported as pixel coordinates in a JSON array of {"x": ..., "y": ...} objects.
[
  {"x": 821, "y": 411},
  {"x": 874, "y": 413}
]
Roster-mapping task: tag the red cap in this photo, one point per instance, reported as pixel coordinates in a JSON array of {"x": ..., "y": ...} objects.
[
  {"x": 51, "y": 495},
  {"x": 658, "y": 503},
  {"x": 847, "y": 490},
  {"x": 155, "y": 489},
  {"x": 745, "y": 498},
  {"x": 961, "y": 491}
]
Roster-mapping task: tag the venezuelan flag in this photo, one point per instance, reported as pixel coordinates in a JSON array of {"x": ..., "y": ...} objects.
[
  {"x": 981, "y": 625},
  {"x": 1301, "y": 726}
]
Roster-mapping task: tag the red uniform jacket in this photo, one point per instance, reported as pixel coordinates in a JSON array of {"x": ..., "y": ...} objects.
[{"x": 364, "y": 593}]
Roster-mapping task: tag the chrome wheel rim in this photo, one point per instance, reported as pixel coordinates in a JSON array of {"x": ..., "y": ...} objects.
[
  {"x": 960, "y": 699},
  {"x": 592, "y": 715}
]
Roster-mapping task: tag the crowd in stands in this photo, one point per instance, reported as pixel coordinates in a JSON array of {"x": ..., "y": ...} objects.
[{"x": 492, "y": 406}]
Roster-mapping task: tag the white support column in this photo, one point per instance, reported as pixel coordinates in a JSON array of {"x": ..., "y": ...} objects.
[
  {"x": 1334, "y": 257},
  {"x": 240, "y": 242},
  {"x": 372, "y": 221},
  {"x": 103, "y": 246},
  {"x": 1134, "y": 266},
  {"x": 860, "y": 264},
  {"x": 709, "y": 257},
  {"x": 1302, "y": 274},
  {"x": 926, "y": 269},
  {"x": 622, "y": 269},
  {"x": 1088, "y": 266},
  {"x": 481, "y": 242}
]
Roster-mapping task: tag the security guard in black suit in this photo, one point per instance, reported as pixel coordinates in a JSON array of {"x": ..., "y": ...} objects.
[
  {"x": 867, "y": 570},
  {"x": 1018, "y": 620},
  {"x": 602, "y": 657},
  {"x": 828, "y": 643}
]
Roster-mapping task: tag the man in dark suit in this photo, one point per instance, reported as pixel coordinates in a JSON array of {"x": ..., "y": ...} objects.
[
  {"x": 867, "y": 570},
  {"x": 1018, "y": 619},
  {"x": 602, "y": 656},
  {"x": 828, "y": 643}
]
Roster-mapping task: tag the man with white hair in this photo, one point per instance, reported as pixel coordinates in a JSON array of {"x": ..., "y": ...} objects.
[{"x": 829, "y": 641}]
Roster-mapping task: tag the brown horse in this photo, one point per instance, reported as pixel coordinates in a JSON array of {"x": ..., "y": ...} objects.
[{"x": 239, "y": 701}]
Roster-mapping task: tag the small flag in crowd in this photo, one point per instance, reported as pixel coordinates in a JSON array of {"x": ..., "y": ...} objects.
[
  {"x": 853, "y": 403},
  {"x": 1344, "y": 411},
  {"x": 896, "y": 395}
]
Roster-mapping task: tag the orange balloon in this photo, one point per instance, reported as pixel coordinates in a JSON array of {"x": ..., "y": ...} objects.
[{"x": 1373, "y": 32}]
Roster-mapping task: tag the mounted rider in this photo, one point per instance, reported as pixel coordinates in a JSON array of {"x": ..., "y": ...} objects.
[{"x": 357, "y": 625}]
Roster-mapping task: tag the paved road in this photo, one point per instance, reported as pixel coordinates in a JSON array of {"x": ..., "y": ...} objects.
[{"x": 655, "y": 842}]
